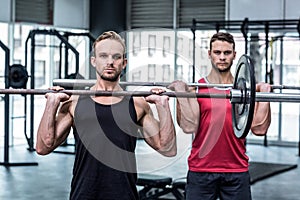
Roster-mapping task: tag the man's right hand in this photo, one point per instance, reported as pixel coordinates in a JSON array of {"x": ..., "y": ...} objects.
[
  {"x": 56, "y": 94},
  {"x": 178, "y": 86}
]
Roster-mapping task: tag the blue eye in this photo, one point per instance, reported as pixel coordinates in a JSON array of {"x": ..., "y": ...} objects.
[
  {"x": 116, "y": 56},
  {"x": 103, "y": 55},
  {"x": 227, "y": 52}
]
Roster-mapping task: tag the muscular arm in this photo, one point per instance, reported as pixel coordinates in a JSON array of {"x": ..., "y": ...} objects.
[
  {"x": 187, "y": 108},
  {"x": 159, "y": 134},
  {"x": 55, "y": 124},
  {"x": 262, "y": 112}
]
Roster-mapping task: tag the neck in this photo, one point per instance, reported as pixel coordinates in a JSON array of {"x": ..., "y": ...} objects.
[
  {"x": 107, "y": 85},
  {"x": 220, "y": 77}
]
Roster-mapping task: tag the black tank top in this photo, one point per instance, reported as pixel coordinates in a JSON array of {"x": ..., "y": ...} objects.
[{"x": 105, "y": 138}]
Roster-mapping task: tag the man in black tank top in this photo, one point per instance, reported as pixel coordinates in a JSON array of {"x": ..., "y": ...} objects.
[{"x": 106, "y": 128}]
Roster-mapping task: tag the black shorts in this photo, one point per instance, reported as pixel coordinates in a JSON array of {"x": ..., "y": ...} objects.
[{"x": 210, "y": 186}]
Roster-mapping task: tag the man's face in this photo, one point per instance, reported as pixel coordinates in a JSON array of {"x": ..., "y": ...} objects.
[
  {"x": 221, "y": 55},
  {"x": 109, "y": 59}
]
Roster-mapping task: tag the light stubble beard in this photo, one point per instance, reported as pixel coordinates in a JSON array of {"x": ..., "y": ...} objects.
[
  {"x": 227, "y": 69},
  {"x": 113, "y": 78}
]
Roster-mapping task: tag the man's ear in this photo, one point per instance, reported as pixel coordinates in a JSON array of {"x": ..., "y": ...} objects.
[
  {"x": 93, "y": 62},
  {"x": 234, "y": 54},
  {"x": 124, "y": 63},
  {"x": 209, "y": 53}
]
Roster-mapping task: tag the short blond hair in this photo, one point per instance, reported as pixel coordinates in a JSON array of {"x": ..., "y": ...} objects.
[{"x": 112, "y": 36}]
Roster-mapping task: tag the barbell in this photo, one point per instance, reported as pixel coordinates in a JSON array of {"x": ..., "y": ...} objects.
[
  {"x": 234, "y": 96},
  {"x": 85, "y": 83},
  {"x": 242, "y": 94}
]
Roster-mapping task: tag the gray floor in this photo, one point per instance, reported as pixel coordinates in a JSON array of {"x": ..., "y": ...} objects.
[{"x": 50, "y": 179}]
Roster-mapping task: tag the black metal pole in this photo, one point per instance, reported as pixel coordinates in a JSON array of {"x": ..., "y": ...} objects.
[
  {"x": 32, "y": 69},
  {"x": 6, "y": 106},
  {"x": 266, "y": 57},
  {"x": 6, "y": 162},
  {"x": 66, "y": 60},
  {"x": 298, "y": 29},
  {"x": 193, "y": 29},
  {"x": 60, "y": 56},
  {"x": 244, "y": 30}
]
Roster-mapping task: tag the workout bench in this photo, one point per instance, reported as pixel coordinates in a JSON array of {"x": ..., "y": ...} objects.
[{"x": 156, "y": 187}]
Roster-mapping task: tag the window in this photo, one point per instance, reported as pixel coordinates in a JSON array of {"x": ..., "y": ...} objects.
[
  {"x": 40, "y": 73},
  {"x": 160, "y": 14},
  {"x": 34, "y": 11}
]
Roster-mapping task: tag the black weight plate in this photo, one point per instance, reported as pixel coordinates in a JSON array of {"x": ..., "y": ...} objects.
[
  {"x": 18, "y": 76},
  {"x": 242, "y": 112}
]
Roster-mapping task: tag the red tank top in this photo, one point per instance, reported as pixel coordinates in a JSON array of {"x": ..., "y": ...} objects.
[{"x": 215, "y": 148}]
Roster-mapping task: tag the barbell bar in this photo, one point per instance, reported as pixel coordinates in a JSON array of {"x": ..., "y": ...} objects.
[
  {"x": 81, "y": 83},
  {"x": 242, "y": 94},
  {"x": 235, "y": 96}
]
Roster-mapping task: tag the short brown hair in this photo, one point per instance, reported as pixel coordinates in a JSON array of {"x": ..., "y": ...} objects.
[
  {"x": 223, "y": 37},
  {"x": 109, "y": 35}
]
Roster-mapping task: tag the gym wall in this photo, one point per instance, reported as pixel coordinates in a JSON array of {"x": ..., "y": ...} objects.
[
  {"x": 58, "y": 13},
  {"x": 263, "y": 9}
]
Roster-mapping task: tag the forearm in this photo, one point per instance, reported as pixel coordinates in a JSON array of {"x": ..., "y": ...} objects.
[
  {"x": 262, "y": 118},
  {"x": 262, "y": 112},
  {"x": 46, "y": 130},
  {"x": 187, "y": 108},
  {"x": 188, "y": 114},
  {"x": 167, "y": 134}
]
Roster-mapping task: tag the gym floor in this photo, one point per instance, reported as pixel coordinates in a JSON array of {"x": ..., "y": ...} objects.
[{"x": 50, "y": 178}]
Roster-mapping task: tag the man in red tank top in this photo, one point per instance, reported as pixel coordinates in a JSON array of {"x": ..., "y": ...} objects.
[{"x": 218, "y": 164}]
